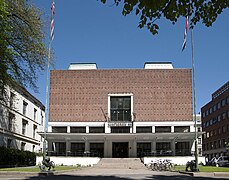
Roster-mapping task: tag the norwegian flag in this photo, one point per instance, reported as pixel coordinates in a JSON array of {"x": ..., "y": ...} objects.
[
  {"x": 52, "y": 21},
  {"x": 185, "y": 34}
]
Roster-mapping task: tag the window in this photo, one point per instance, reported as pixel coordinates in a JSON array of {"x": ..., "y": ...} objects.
[
  {"x": 12, "y": 98},
  {"x": 210, "y": 122},
  {"x": 25, "y": 104},
  {"x": 219, "y": 143},
  {"x": 144, "y": 129},
  {"x": 34, "y": 114},
  {"x": 77, "y": 149},
  {"x": 97, "y": 149},
  {"x": 59, "y": 148},
  {"x": 34, "y": 131},
  {"x": 207, "y": 124},
  {"x": 22, "y": 146},
  {"x": 143, "y": 149},
  {"x": 9, "y": 142},
  {"x": 182, "y": 129},
  {"x": 219, "y": 131},
  {"x": 223, "y": 102},
  {"x": 120, "y": 130},
  {"x": 10, "y": 121},
  {"x": 214, "y": 108},
  {"x": 228, "y": 100},
  {"x": 206, "y": 113},
  {"x": 199, "y": 140},
  {"x": 78, "y": 129},
  {"x": 59, "y": 129},
  {"x": 33, "y": 148},
  {"x": 182, "y": 148},
  {"x": 203, "y": 114},
  {"x": 219, "y": 118},
  {"x": 42, "y": 118},
  {"x": 199, "y": 151},
  {"x": 162, "y": 129},
  {"x": 96, "y": 130},
  {"x": 120, "y": 108},
  {"x": 218, "y": 105},
  {"x": 211, "y": 145},
  {"x": 207, "y": 135},
  {"x": 24, "y": 124},
  {"x": 224, "y": 115},
  {"x": 210, "y": 110},
  {"x": 163, "y": 146},
  {"x": 224, "y": 129},
  {"x": 203, "y": 125},
  {"x": 199, "y": 129}
]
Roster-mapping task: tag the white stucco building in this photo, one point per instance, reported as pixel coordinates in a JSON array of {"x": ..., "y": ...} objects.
[{"x": 21, "y": 117}]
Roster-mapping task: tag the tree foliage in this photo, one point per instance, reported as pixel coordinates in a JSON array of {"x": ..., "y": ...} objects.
[
  {"x": 22, "y": 48},
  {"x": 149, "y": 11}
]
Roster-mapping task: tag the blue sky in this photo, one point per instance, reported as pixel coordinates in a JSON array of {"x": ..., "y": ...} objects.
[{"x": 89, "y": 31}]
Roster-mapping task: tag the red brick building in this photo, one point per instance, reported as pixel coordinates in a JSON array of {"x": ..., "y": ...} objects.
[
  {"x": 121, "y": 112},
  {"x": 215, "y": 122}
]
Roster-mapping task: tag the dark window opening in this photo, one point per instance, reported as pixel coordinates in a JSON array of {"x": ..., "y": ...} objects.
[
  {"x": 182, "y": 129},
  {"x": 97, "y": 149},
  {"x": 77, "y": 149},
  {"x": 143, "y": 149},
  {"x": 120, "y": 130},
  {"x": 120, "y": 108},
  {"x": 182, "y": 149},
  {"x": 144, "y": 129},
  {"x": 162, "y": 129},
  {"x": 77, "y": 129},
  {"x": 59, "y": 129},
  {"x": 96, "y": 130}
]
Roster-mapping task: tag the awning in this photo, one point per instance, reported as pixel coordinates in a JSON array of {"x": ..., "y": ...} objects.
[{"x": 123, "y": 136}]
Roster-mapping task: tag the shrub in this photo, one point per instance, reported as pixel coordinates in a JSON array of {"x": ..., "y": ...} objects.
[{"x": 14, "y": 157}]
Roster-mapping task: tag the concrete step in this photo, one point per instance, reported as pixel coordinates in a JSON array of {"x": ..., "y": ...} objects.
[{"x": 120, "y": 163}]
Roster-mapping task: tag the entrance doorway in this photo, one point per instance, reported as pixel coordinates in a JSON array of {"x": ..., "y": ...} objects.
[{"x": 120, "y": 149}]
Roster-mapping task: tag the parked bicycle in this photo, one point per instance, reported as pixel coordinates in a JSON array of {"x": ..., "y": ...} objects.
[{"x": 161, "y": 165}]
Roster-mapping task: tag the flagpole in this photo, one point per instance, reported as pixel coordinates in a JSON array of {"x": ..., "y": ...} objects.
[
  {"x": 47, "y": 85},
  {"x": 194, "y": 101}
]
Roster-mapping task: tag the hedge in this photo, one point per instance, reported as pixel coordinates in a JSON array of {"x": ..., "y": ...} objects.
[{"x": 16, "y": 158}]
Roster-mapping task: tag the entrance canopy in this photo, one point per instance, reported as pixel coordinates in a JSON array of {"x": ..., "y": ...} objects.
[{"x": 122, "y": 136}]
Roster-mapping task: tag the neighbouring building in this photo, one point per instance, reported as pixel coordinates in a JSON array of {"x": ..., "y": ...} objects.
[
  {"x": 21, "y": 117},
  {"x": 215, "y": 123},
  {"x": 121, "y": 112}
]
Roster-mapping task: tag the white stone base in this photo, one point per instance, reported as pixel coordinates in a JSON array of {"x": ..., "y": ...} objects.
[
  {"x": 70, "y": 161},
  {"x": 178, "y": 160}
]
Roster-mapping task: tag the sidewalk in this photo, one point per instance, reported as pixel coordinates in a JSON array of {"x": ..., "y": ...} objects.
[{"x": 206, "y": 174}]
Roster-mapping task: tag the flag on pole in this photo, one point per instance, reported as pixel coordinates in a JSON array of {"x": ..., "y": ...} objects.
[
  {"x": 185, "y": 34},
  {"x": 52, "y": 21}
]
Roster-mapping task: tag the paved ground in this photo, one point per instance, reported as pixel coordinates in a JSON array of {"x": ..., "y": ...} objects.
[{"x": 117, "y": 169}]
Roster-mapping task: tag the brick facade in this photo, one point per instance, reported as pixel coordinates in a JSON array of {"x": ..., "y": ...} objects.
[{"x": 158, "y": 95}]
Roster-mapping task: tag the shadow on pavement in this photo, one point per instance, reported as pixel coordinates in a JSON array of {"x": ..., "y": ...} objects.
[
  {"x": 147, "y": 177},
  {"x": 62, "y": 177}
]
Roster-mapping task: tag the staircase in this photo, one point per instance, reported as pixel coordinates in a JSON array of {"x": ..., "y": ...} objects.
[{"x": 120, "y": 163}]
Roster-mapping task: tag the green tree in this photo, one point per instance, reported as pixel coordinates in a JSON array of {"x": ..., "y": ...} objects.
[
  {"x": 149, "y": 11},
  {"x": 22, "y": 43}
]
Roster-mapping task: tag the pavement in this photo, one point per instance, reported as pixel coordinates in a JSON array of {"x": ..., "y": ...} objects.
[{"x": 114, "y": 169}]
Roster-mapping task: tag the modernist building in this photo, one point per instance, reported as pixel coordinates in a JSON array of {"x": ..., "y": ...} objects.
[
  {"x": 120, "y": 112},
  {"x": 215, "y": 122},
  {"x": 21, "y": 117}
]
